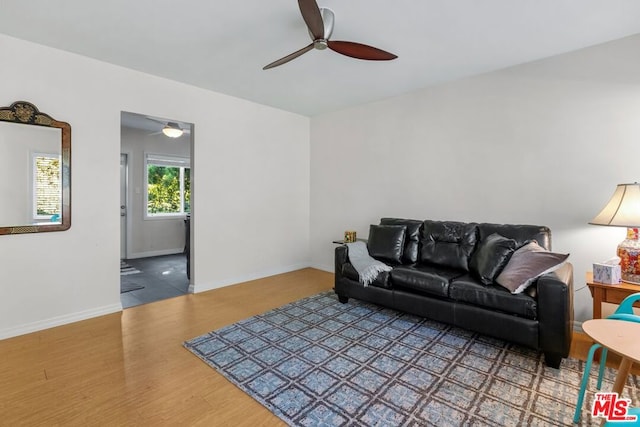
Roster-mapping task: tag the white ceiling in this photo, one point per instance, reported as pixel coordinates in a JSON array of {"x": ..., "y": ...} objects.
[
  {"x": 223, "y": 45},
  {"x": 152, "y": 125}
]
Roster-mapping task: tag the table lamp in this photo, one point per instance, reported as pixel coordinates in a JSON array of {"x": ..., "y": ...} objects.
[{"x": 623, "y": 210}]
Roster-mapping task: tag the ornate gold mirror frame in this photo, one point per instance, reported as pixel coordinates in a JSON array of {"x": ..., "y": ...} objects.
[{"x": 19, "y": 146}]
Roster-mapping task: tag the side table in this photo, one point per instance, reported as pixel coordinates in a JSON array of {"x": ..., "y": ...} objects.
[
  {"x": 614, "y": 294},
  {"x": 342, "y": 242}
]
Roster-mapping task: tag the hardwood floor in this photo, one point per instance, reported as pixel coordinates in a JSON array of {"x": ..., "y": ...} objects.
[{"x": 130, "y": 368}]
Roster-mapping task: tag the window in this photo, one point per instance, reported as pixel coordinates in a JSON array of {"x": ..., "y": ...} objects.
[
  {"x": 168, "y": 185},
  {"x": 47, "y": 188}
]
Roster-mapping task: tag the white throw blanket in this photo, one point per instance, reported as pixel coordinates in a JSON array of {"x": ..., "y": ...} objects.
[{"x": 367, "y": 267}]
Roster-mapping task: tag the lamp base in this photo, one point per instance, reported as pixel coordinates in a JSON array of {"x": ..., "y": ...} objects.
[{"x": 629, "y": 253}]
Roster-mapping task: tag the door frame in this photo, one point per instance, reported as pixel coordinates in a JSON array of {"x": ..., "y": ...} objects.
[{"x": 127, "y": 204}]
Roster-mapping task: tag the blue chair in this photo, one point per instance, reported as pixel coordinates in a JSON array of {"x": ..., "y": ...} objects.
[{"x": 623, "y": 312}]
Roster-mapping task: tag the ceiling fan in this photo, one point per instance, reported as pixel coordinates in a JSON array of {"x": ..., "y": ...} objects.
[
  {"x": 320, "y": 25},
  {"x": 170, "y": 129}
]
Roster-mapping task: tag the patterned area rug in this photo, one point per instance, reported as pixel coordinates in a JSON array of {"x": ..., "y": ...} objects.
[
  {"x": 317, "y": 362},
  {"x": 126, "y": 269}
]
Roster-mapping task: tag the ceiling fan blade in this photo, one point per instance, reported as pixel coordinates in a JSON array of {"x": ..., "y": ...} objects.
[
  {"x": 289, "y": 57},
  {"x": 312, "y": 17},
  {"x": 360, "y": 51}
]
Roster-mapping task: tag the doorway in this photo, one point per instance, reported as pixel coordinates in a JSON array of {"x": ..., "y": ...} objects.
[
  {"x": 123, "y": 205},
  {"x": 155, "y": 208}
]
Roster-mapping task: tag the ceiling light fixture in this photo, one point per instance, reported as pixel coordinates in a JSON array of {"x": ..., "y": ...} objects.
[{"x": 172, "y": 130}]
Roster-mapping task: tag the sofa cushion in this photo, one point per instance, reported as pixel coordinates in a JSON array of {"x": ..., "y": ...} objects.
[
  {"x": 424, "y": 278},
  {"x": 490, "y": 257},
  {"x": 469, "y": 290},
  {"x": 382, "y": 281},
  {"x": 412, "y": 237},
  {"x": 520, "y": 233},
  {"x": 527, "y": 264},
  {"x": 386, "y": 242},
  {"x": 448, "y": 243}
]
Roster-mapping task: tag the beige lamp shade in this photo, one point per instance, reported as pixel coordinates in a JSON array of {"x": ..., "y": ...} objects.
[{"x": 623, "y": 210}]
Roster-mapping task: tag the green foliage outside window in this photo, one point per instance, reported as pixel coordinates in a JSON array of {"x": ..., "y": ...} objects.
[
  {"x": 164, "y": 192},
  {"x": 187, "y": 190}
]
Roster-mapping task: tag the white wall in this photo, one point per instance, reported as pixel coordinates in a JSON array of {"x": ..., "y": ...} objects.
[
  {"x": 542, "y": 143},
  {"x": 159, "y": 235},
  {"x": 250, "y": 183}
]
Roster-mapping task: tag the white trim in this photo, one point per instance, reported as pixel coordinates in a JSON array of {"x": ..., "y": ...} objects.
[
  {"x": 203, "y": 287},
  {"x": 577, "y": 326},
  {"x": 167, "y": 160},
  {"x": 323, "y": 267},
  {"x": 166, "y": 216},
  {"x": 155, "y": 253},
  {"x": 59, "y": 320},
  {"x": 128, "y": 203}
]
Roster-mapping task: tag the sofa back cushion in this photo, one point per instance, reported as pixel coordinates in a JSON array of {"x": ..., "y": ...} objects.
[
  {"x": 448, "y": 243},
  {"x": 490, "y": 257},
  {"x": 386, "y": 242},
  {"x": 412, "y": 237},
  {"x": 520, "y": 233}
]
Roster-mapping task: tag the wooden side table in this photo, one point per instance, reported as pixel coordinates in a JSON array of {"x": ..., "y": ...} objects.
[
  {"x": 614, "y": 294},
  {"x": 342, "y": 242}
]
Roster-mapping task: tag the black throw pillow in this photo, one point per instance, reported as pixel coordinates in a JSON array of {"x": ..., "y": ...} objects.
[
  {"x": 491, "y": 256},
  {"x": 386, "y": 242},
  {"x": 448, "y": 243}
]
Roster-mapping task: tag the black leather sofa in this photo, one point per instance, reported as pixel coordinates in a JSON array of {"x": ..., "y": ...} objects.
[{"x": 424, "y": 283}]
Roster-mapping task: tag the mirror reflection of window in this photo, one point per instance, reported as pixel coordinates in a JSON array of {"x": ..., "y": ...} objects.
[
  {"x": 46, "y": 189},
  {"x": 30, "y": 175}
]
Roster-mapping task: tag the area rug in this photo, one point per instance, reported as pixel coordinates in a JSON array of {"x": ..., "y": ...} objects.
[
  {"x": 128, "y": 287},
  {"x": 317, "y": 362},
  {"x": 126, "y": 269}
]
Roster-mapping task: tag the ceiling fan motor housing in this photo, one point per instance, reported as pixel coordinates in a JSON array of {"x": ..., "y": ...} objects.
[{"x": 328, "y": 19}]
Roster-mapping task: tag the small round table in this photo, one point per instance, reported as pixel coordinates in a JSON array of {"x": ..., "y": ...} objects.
[{"x": 621, "y": 337}]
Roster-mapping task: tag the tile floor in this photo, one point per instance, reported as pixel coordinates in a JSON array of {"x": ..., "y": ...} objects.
[{"x": 162, "y": 277}]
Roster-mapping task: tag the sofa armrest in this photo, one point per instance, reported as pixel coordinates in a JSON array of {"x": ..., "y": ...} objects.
[
  {"x": 341, "y": 258},
  {"x": 555, "y": 311}
]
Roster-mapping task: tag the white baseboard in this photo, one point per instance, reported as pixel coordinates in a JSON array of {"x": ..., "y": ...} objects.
[
  {"x": 155, "y": 253},
  {"x": 577, "y": 326},
  {"x": 323, "y": 267},
  {"x": 59, "y": 320},
  {"x": 203, "y": 287}
]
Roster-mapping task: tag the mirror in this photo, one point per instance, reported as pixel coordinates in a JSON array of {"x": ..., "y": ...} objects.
[{"x": 35, "y": 171}]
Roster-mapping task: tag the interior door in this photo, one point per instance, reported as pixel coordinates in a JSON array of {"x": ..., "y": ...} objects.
[{"x": 123, "y": 206}]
